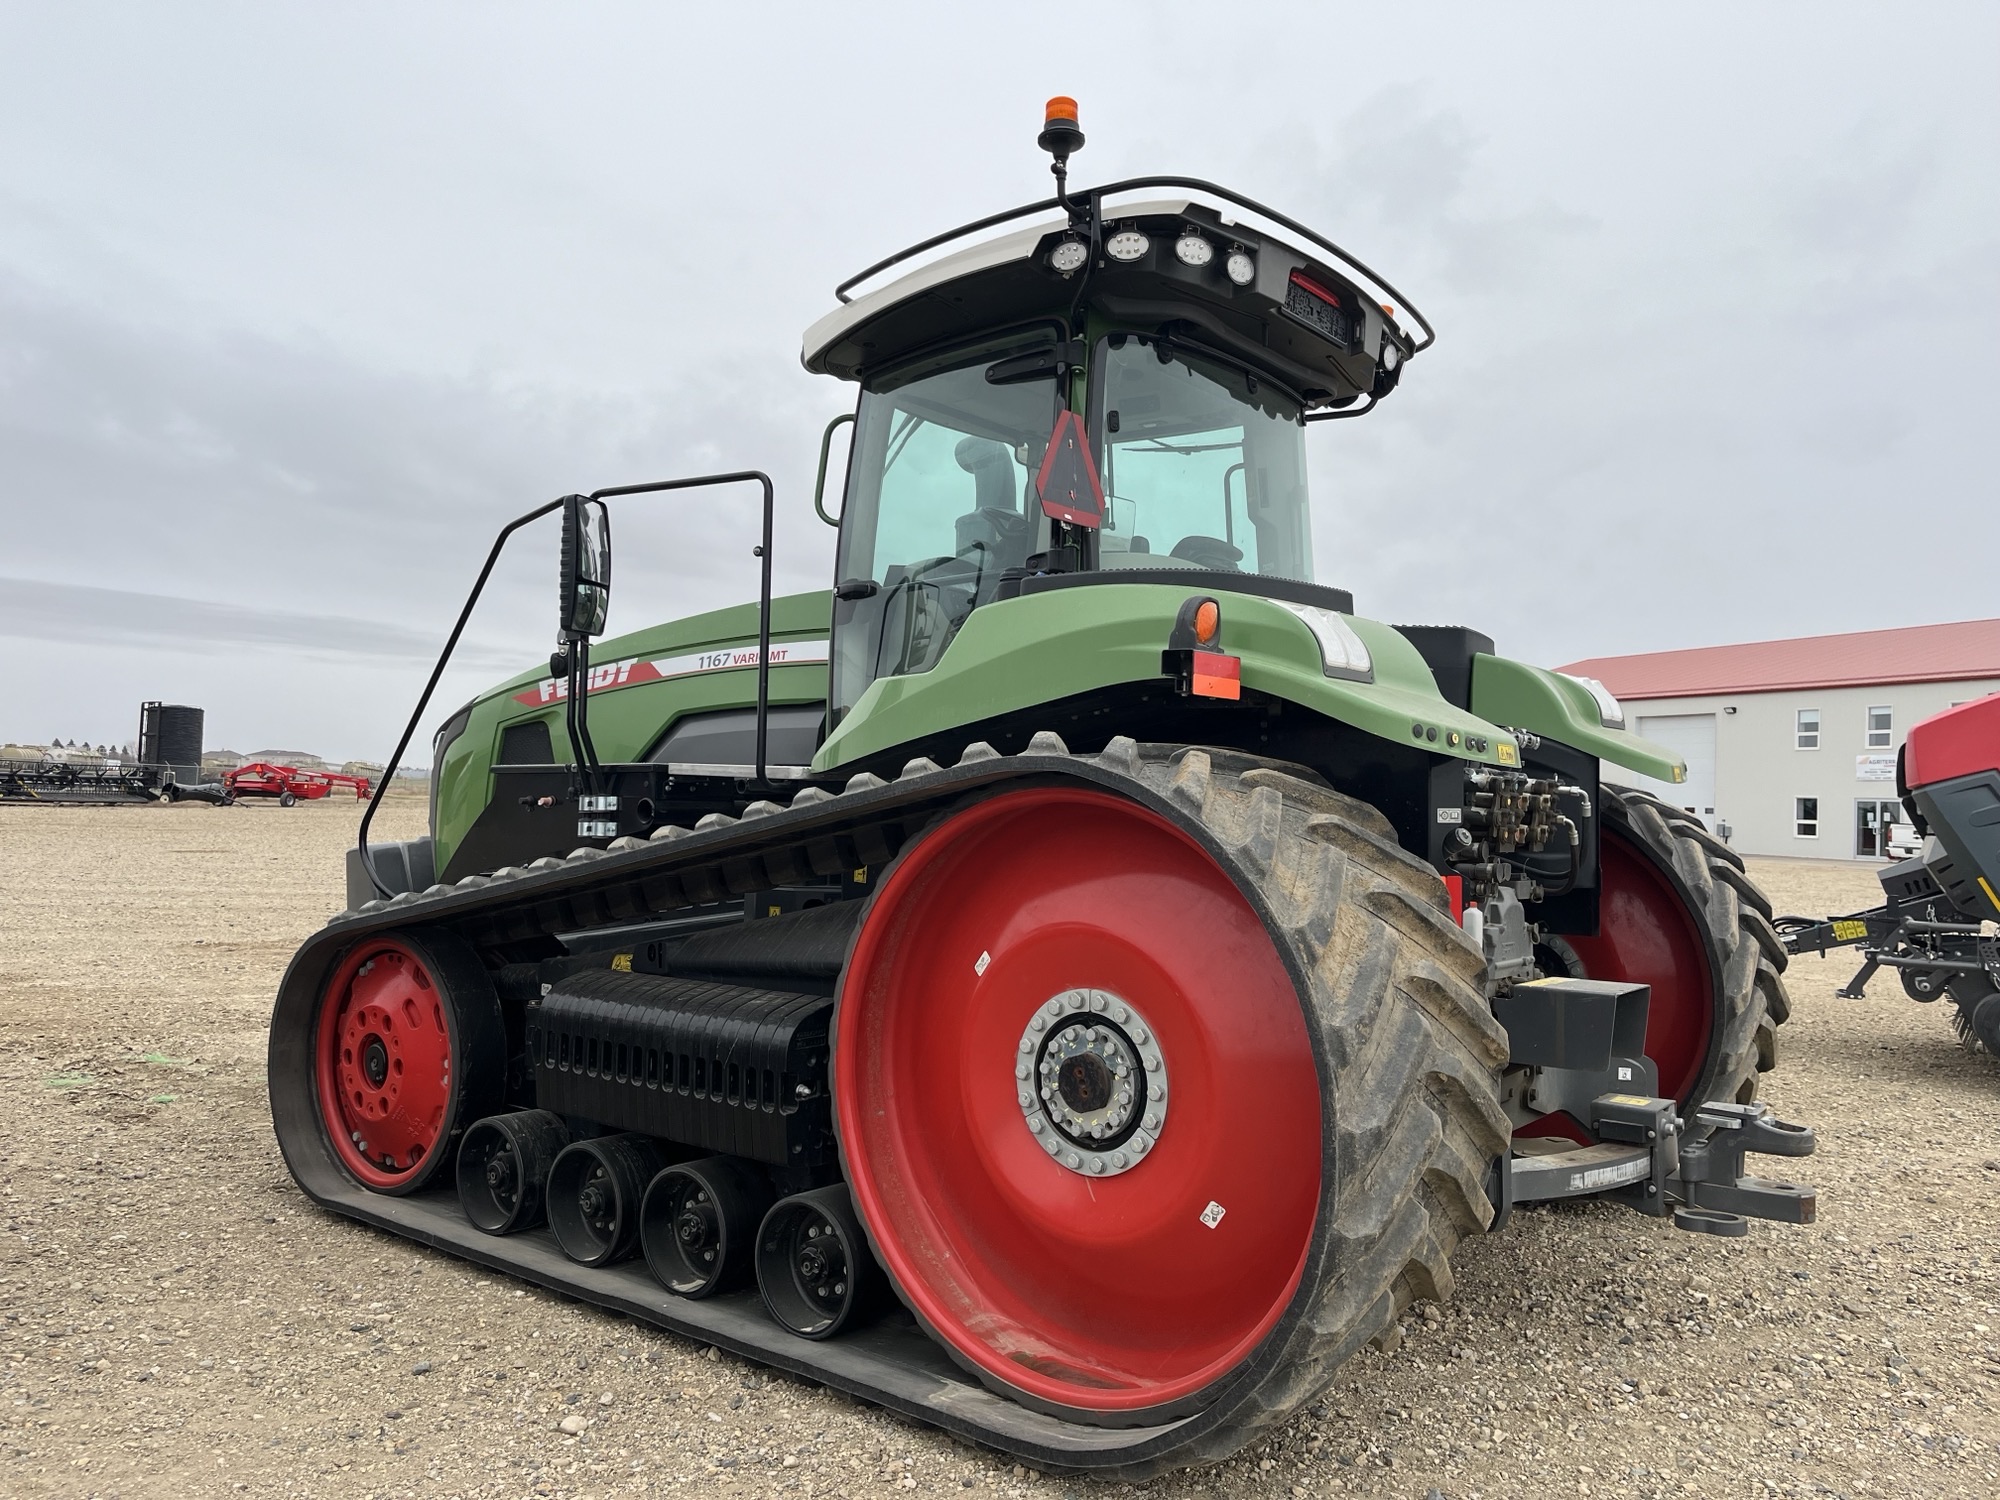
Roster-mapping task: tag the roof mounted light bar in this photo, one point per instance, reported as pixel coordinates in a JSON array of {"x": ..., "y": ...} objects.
[{"x": 1134, "y": 184}]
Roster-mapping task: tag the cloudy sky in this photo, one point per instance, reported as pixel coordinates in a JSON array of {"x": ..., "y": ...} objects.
[{"x": 298, "y": 304}]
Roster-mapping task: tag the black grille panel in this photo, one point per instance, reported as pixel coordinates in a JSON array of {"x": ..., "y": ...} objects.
[{"x": 721, "y": 1067}]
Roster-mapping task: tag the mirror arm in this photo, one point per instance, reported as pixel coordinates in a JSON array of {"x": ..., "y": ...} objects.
[
  {"x": 576, "y": 711},
  {"x": 825, "y": 449},
  {"x": 437, "y": 672}
]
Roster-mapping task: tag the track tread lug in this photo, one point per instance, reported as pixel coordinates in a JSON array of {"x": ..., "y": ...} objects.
[
  {"x": 1189, "y": 786},
  {"x": 1120, "y": 754}
]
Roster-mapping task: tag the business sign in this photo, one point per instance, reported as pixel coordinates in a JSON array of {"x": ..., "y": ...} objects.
[{"x": 1874, "y": 768}]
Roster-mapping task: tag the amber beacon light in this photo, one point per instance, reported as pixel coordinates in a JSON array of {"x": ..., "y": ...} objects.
[{"x": 1060, "y": 133}]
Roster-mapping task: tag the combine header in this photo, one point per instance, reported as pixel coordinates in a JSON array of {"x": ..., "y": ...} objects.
[
  {"x": 1939, "y": 929},
  {"x": 1076, "y": 981}
]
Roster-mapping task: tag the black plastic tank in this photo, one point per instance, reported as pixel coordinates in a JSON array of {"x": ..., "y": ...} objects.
[{"x": 170, "y": 735}]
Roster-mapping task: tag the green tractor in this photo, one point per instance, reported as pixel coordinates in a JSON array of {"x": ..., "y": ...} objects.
[{"x": 1074, "y": 982}]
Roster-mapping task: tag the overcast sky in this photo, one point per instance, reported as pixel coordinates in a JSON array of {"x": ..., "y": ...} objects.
[{"x": 299, "y": 304}]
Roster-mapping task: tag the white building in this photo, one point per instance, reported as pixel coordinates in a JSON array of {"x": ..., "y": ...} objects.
[{"x": 1791, "y": 745}]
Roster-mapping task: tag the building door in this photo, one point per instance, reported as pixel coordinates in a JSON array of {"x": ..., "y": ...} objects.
[
  {"x": 1692, "y": 738},
  {"x": 1872, "y": 817}
]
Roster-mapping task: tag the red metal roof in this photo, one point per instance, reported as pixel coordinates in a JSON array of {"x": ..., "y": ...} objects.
[{"x": 1915, "y": 653}]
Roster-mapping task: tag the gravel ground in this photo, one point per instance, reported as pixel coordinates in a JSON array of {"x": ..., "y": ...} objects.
[{"x": 176, "y": 1319}]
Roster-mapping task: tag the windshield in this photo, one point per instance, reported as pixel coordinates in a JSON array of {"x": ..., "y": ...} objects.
[
  {"x": 940, "y": 503},
  {"x": 1203, "y": 464}
]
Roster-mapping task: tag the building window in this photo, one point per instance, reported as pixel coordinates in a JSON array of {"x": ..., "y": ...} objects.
[
  {"x": 1808, "y": 732},
  {"x": 1805, "y": 817},
  {"x": 1878, "y": 728}
]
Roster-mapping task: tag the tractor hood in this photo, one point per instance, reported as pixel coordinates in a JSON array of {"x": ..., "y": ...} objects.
[{"x": 1169, "y": 264}]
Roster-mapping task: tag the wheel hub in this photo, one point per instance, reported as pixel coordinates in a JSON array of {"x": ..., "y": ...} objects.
[
  {"x": 596, "y": 1203},
  {"x": 1092, "y": 1082},
  {"x": 697, "y": 1227},
  {"x": 820, "y": 1265},
  {"x": 374, "y": 1061}
]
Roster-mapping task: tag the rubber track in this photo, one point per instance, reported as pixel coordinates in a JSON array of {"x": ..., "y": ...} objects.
[
  {"x": 1406, "y": 1045},
  {"x": 1736, "y": 918}
]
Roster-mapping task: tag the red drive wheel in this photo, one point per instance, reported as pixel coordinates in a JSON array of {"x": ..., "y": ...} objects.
[
  {"x": 1077, "y": 1103},
  {"x": 408, "y": 1050},
  {"x": 1648, "y": 934}
]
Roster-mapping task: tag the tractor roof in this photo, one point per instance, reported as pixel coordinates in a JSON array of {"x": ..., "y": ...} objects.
[{"x": 1316, "y": 320}]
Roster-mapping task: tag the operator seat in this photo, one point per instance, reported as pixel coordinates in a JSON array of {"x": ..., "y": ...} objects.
[
  {"x": 1210, "y": 552},
  {"x": 994, "y": 531}
]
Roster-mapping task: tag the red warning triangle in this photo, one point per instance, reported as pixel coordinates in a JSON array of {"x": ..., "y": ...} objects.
[{"x": 1067, "y": 481}]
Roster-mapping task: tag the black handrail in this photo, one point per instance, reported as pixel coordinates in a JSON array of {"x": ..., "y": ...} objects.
[
  {"x": 492, "y": 557},
  {"x": 424, "y": 701},
  {"x": 1133, "y": 184}
]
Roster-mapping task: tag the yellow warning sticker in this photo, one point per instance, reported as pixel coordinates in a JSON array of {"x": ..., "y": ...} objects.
[
  {"x": 1845, "y": 931},
  {"x": 622, "y": 962}
]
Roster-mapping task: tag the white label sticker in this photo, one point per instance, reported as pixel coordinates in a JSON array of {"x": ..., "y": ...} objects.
[
  {"x": 1212, "y": 1215},
  {"x": 1624, "y": 1075},
  {"x": 1451, "y": 815},
  {"x": 979, "y": 967},
  {"x": 1599, "y": 1178}
]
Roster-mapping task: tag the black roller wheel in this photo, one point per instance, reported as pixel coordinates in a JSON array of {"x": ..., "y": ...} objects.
[
  {"x": 813, "y": 1264},
  {"x": 503, "y": 1169},
  {"x": 595, "y": 1189},
  {"x": 1980, "y": 1021},
  {"x": 698, "y": 1225}
]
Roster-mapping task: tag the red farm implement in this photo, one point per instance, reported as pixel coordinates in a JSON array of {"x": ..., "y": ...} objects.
[{"x": 287, "y": 783}]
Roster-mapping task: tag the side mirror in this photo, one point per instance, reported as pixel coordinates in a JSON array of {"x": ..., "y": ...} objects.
[{"x": 586, "y": 567}]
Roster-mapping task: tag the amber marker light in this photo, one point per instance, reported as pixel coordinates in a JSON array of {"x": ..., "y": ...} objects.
[{"x": 1207, "y": 621}]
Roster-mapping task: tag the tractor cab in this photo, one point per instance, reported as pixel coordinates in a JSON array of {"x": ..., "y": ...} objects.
[{"x": 1179, "y": 349}]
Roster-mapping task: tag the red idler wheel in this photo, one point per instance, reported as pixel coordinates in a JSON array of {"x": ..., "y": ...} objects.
[
  {"x": 408, "y": 1051},
  {"x": 1060, "y": 1246}
]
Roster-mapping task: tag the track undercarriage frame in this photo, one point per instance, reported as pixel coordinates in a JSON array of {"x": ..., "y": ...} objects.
[{"x": 1642, "y": 1156}]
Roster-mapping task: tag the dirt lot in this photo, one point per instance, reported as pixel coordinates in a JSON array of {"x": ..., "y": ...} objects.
[{"x": 176, "y": 1320}]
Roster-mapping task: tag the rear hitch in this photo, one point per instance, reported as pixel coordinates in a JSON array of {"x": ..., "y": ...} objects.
[
  {"x": 1711, "y": 1171},
  {"x": 1642, "y": 1158},
  {"x": 1581, "y": 1043}
]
